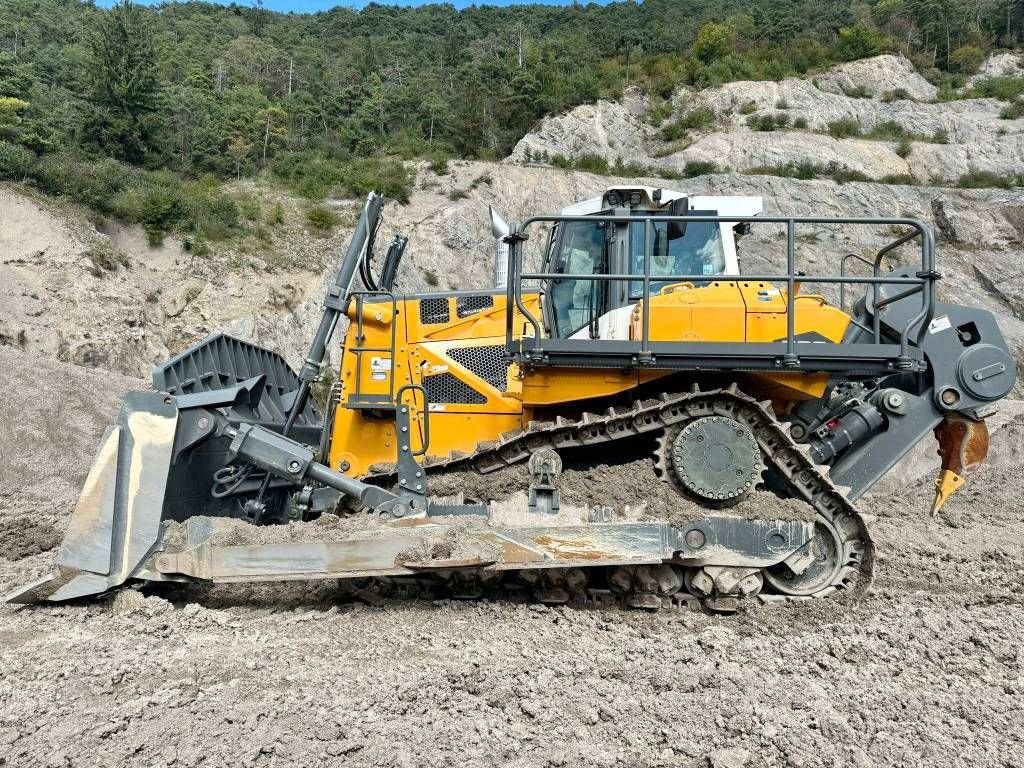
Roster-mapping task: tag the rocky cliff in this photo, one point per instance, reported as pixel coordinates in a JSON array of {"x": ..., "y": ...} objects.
[{"x": 876, "y": 117}]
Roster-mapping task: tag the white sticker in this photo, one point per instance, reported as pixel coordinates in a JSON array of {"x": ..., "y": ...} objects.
[
  {"x": 437, "y": 406},
  {"x": 380, "y": 363},
  {"x": 438, "y": 368},
  {"x": 378, "y": 375},
  {"x": 940, "y": 323}
]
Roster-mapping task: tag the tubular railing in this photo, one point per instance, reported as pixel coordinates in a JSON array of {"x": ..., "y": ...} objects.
[{"x": 921, "y": 283}]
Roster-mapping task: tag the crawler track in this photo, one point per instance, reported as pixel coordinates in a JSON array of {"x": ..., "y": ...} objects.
[{"x": 843, "y": 536}]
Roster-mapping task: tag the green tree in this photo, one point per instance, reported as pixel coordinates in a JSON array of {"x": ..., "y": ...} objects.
[
  {"x": 714, "y": 41},
  {"x": 125, "y": 88},
  {"x": 858, "y": 42}
]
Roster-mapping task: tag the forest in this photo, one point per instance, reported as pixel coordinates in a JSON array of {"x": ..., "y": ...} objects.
[{"x": 124, "y": 108}]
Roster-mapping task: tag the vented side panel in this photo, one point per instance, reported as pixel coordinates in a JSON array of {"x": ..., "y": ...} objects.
[
  {"x": 448, "y": 388},
  {"x": 471, "y": 305},
  {"x": 434, "y": 311},
  {"x": 486, "y": 362}
]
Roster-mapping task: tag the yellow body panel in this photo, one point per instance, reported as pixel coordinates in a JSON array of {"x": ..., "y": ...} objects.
[{"x": 429, "y": 341}]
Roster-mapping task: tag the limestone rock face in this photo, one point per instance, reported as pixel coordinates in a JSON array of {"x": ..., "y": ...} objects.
[
  {"x": 607, "y": 128},
  {"x": 878, "y": 75},
  {"x": 947, "y": 139}
]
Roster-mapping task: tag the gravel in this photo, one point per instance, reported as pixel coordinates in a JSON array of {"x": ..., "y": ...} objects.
[{"x": 926, "y": 670}]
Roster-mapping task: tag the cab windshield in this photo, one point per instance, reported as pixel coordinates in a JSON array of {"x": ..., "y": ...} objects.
[
  {"x": 583, "y": 248},
  {"x": 695, "y": 250}
]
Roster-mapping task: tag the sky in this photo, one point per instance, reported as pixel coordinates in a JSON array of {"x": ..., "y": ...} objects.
[{"x": 311, "y": 6}]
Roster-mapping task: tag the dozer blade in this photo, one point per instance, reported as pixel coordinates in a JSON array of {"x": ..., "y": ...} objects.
[{"x": 116, "y": 521}]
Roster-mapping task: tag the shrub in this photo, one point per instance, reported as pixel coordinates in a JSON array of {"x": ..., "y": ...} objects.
[
  {"x": 904, "y": 147},
  {"x": 966, "y": 59},
  {"x": 1009, "y": 112},
  {"x": 896, "y": 94},
  {"x": 1006, "y": 88},
  {"x": 439, "y": 164},
  {"x": 387, "y": 176},
  {"x": 95, "y": 184},
  {"x": 691, "y": 120},
  {"x": 430, "y": 278},
  {"x": 699, "y": 168},
  {"x": 858, "y": 42},
  {"x": 782, "y": 104},
  {"x": 979, "y": 179},
  {"x": 857, "y": 92},
  {"x": 16, "y": 161},
  {"x": 484, "y": 178},
  {"x": 888, "y": 130},
  {"x": 898, "y": 178},
  {"x": 748, "y": 108},
  {"x": 941, "y": 136},
  {"x": 458, "y": 194},
  {"x": 844, "y": 128},
  {"x": 591, "y": 163},
  {"x": 276, "y": 215},
  {"x": 321, "y": 219},
  {"x": 800, "y": 123},
  {"x": 768, "y": 122}
]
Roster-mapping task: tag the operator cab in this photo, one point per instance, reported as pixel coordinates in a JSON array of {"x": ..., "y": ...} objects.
[{"x": 580, "y": 308}]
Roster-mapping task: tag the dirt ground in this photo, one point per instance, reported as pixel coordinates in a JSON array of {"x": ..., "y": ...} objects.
[{"x": 928, "y": 670}]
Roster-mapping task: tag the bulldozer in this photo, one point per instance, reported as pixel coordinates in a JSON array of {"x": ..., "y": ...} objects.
[{"x": 766, "y": 410}]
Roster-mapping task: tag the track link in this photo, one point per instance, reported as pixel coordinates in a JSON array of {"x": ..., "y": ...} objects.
[{"x": 787, "y": 459}]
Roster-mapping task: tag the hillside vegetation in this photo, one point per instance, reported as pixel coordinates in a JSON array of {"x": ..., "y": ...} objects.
[{"x": 141, "y": 112}]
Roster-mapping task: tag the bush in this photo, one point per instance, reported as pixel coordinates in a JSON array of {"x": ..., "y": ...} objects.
[
  {"x": 800, "y": 123},
  {"x": 899, "y": 178},
  {"x": 768, "y": 122},
  {"x": 276, "y": 215},
  {"x": 321, "y": 219},
  {"x": 858, "y": 42},
  {"x": 904, "y": 147},
  {"x": 699, "y": 168},
  {"x": 16, "y": 162},
  {"x": 941, "y": 136},
  {"x": 315, "y": 175},
  {"x": 896, "y": 94},
  {"x": 694, "y": 119},
  {"x": 1006, "y": 88},
  {"x": 1012, "y": 111},
  {"x": 966, "y": 59},
  {"x": 430, "y": 278},
  {"x": 978, "y": 179},
  {"x": 888, "y": 130},
  {"x": 857, "y": 92},
  {"x": 591, "y": 163},
  {"x": 748, "y": 108},
  {"x": 782, "y": 104},
  {"x": 438, "y": 164},
  {"x": 458, "y": 194},
  {"x": 95, "y": 184},
  {"x": 845, "y": 128}
]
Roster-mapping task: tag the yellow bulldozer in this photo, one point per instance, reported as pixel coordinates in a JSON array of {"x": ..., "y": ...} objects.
[{"x": 767, "y": 410}]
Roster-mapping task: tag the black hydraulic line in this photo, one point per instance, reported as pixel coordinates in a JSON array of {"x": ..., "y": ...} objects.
[{"x": 336, "y": 303}]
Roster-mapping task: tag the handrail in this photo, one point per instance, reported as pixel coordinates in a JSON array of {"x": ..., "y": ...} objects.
[
  {"x": 923, "y": 280},
  {"x": 358, "y": 350}
]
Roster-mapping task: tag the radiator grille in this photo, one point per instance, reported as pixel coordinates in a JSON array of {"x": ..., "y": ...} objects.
[
  {"x": 486, "y": 362},
  {"x": 448, "y": 388}
]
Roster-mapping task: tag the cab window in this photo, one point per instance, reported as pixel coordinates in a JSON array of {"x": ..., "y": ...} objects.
[
  {"x": 697, "y": 250},
  {"x": 579, "y": 248}
]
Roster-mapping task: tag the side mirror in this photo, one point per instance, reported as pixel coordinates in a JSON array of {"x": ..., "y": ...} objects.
[{"x": 678, "y": 207}]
